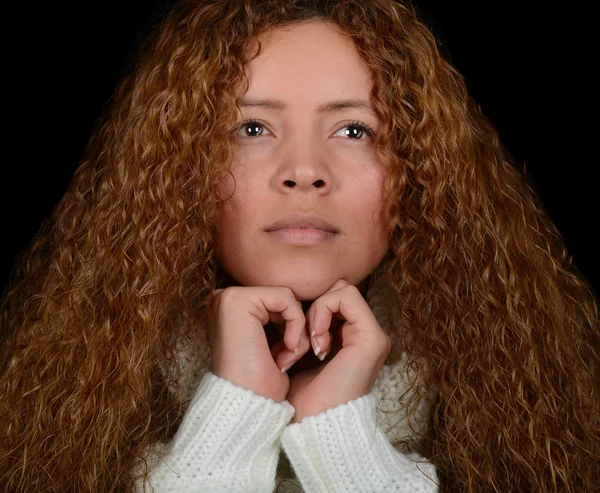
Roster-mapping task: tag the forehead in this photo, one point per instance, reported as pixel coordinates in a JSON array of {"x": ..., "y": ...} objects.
[{"x": 306, "y": 62}]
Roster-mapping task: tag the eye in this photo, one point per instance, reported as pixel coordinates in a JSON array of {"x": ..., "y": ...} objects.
[
  {"x": 355, "y": 130},
  {"x": 251, "y": 129}
]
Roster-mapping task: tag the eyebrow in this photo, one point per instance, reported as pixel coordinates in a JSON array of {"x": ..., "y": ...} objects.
[{"x": 330, "y": 107}]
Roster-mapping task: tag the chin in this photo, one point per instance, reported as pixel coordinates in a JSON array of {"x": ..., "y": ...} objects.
[
  {"x": 307, "y": 282},
  {"x": 302, "y": 292},
  {"x": 305, "y": 288}
]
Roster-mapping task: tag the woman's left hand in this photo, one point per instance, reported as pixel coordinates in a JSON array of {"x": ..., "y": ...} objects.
[{"x": 352, "y": 372}]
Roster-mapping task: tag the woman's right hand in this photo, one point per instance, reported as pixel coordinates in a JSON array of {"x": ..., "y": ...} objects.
[{"x": 238, "y": 343}]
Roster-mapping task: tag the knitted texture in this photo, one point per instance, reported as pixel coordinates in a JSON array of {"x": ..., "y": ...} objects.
[
  {"x": 342, "y": 450},
  {"x": 228, "y": 441}
]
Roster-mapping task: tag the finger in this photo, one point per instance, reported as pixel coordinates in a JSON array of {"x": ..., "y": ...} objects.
[
  {"x": 323, "y": 342},
  {"x": 276, "y": 351},
  {"x": 346, "y": 302},
  {"x": 321, "y": 345},
  {"x": 340, "y": 283},
  {"x": 331, "y": 340},
  {"x": 283, "y": 302},
  {"x": 284, "y": 358},
  {"x": 277, "y": 348},
  {"x": 302, "y": 348}
]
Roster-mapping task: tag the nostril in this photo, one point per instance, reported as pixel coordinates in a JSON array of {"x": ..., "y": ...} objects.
[
  {"x": 289, "y": 183},
  {"x": 319, "y": 183}
]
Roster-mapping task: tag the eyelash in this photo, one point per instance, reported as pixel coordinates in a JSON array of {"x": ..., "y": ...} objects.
[{"x": 352, "y": 123}]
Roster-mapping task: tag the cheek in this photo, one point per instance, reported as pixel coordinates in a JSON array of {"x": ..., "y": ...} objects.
[
  {"x": 372, "y": 217},
  {"x": 369, "y": 203},
  {"x": 229, "y": 237},
  {"x": 230, "y": 223},
  {"x": 227, "y": 187},
  {"x": 233, "y": 191},
  {"x": 239, "y": 212},
  {"x": 228, "y": 220}
]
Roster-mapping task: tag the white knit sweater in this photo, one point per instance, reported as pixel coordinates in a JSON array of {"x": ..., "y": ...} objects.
[{"x": 233, "y": 440}]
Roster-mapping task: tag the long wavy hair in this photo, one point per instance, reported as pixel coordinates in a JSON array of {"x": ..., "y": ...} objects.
[{"x": 485, "y": 291}]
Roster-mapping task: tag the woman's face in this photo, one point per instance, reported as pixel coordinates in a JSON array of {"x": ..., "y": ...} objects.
[{"x": 305, "y": 206}]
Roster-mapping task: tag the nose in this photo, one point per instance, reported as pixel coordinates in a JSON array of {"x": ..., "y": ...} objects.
[{"x": 304, "y": 168}]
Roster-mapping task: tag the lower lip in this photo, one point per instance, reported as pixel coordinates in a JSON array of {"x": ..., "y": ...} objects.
[{"x": 301, "y": 236}]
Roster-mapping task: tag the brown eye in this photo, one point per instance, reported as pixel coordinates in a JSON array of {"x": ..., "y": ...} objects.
[
  {"x": 355, "y": 130},
  {"x": 251, "y": 128}
]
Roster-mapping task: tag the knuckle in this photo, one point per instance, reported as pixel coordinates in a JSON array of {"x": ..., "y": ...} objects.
[
  {"x": 340, "y": 283},
  {"x": 231, "y": 294},
  {"x": 287, "y": 292},
  {"x": 352, "y": 290},
  {"x": 234, "y": 291}
]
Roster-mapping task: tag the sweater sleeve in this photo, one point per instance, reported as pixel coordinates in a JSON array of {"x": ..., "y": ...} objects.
[
  {"x": 343, "y": 450},
  {"x": 228, "y": 441}
]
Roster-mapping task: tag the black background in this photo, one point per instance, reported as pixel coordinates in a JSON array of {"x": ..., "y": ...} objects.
[{"x": 528, "y": 66}]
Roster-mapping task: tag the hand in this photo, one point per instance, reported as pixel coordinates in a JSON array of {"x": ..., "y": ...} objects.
[
  {"x": 238, "y": 343},
  {"x": 352, "y": 372}
]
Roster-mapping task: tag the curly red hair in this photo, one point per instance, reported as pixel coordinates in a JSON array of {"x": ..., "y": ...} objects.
[{"x": 487, "y": 296}]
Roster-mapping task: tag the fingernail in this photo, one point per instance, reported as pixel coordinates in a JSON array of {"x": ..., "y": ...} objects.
[
  {"x": 322, "y": 355},
  {"x": 284, "y": 369},
  {"x": 317, "y": 350}
]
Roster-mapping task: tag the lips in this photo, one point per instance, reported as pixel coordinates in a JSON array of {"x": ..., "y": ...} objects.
[{"x": 302, "y": 221}]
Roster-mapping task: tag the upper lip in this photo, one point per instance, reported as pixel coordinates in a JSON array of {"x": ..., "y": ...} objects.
[{"x": 302, "y": 221}]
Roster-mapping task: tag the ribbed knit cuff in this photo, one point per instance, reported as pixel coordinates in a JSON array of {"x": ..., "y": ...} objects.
[
  {"x": 229, "y": 438},
  {"x": 343, "y": 450}
]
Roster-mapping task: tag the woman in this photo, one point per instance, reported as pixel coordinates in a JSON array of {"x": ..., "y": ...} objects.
[{"x": 102, "y": 341}]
